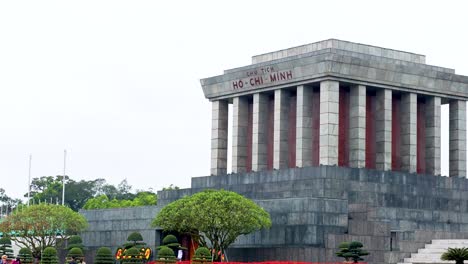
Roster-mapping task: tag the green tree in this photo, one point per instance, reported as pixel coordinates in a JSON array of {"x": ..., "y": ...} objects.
[
  {"x": 49, "y": 189},
  {"x": 8, "y": 203},
  {"x": 104, "y": 256},
  {"x": 171, "y": 187},
  {"x": 135, "y": 240},
  {"x": 75, "y": 253},
  {"x": 351, "y": 251},
  {"x": 124, "y": 191},
  {"x": 166, "y": 255},
  {"x": 49, "y": 256},
  {"x": 25, "y": 256},
  {"x": 5, "y": 247},
  {"x": 144, "y": 198},
  {"x": 457, "y": 254},
  {"x": 202, "y": 255},
  {"x": 75, "y": 241},
  {"x": 38, "y": 226},
  {"x": 133, "y": 255},
  {"x": 217, "y": 216},
  {"x": 171, "y": 242}
]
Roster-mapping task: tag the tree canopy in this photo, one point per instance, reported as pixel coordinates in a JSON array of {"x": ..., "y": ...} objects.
[
  {"x": 38, "y": 226},
  {"x": 102, "y": 201},
  {"x": 7, "y": 203},
  {"x": 218, "y": 216},
  {"x": 97, "y": 192}
]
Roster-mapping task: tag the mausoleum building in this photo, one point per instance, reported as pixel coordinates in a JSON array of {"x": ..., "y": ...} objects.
[
  {"x": 338, "y": 141},
  {"x": 339, "y": 103}
]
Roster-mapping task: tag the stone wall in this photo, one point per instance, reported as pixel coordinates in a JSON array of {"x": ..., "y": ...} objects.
[
  {"x": 111, "y": 227},
  {"x": 313, "y": 209}
]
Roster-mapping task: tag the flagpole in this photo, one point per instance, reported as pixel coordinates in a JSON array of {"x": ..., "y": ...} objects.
[
  {"x": 63, "y": 179},
  {"x": 29, "y": 179}
]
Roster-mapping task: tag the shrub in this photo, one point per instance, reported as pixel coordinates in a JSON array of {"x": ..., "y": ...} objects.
[
  {"x": 75, "y": 253},
  {"x": 49, "y": 256},
  {"x": 166, "y": 255},
  {"x": 457, "y": 254},
  {"x": 135, "y": 239},
  {"x": 171, "y": 242},
  {"x": 351, "y": 251},
  {"x": 25, "y": 254},
  {"x": 135, "y": 236},
  {"x": 75, "y": 242},
  {"x": 170, "y": 239},
  {"x": 133, "y": 255},
  {"x": 5, "y": 247},
  {"x": 202, "y": 255},
  {"x": 104, "y": 256}
]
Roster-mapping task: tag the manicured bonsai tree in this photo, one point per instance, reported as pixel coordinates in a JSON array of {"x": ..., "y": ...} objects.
[
  {"x": 5, "y": 247},
  {"x": 133, "y": 255},
  {"x": 75, "y": 242},
  {"x": 457, "y": 254},
  {"x": 104, "y": 256},
  {"x": 75, "y": 253},
  {"x": 202, "y": 255},
  {"x": 49, "y": 256},
  {"x": 351, "y": 251},
  {"x": 135, "y": 239},
  {"x": 171, "y": 241},
  {"x": 166, "y": 255},
  {"x": 25, "y": 254}
]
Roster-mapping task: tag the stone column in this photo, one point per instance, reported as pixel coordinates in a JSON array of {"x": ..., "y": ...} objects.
[
  {"x": 457, "y": 138},
  {"x": 280, "y": 136},
  {"x": 329, "y": 110},
  {"x": 433, "y": 131},
  {"x": 304, "y": 127},
  {"x": 409, "y": 108},
  {"x": 219, "y": 132},
  {"x": 259, "y": 132},
  {"x": 383, "y": 129},
  {"x": 240, "y": 123},
  {"x": 357, "y": 127}
]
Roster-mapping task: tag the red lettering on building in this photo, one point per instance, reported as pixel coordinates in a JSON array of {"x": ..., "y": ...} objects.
[
  {"x": 258, "y": 80},
  {"x": 273, "y": 77},
  {"x": 238, "y": 84}
]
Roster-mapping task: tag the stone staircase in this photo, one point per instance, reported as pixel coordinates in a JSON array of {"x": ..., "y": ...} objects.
[{"x": 431, "y": 253}]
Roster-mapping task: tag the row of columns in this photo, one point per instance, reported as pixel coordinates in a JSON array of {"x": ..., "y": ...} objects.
[{"x": 259, "y": 130}]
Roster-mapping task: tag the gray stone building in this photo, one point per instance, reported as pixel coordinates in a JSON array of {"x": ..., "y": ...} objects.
[{"x": 337, "y": 141}]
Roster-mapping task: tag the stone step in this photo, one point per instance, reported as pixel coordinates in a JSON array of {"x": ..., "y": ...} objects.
[
  {"x": 424, "y": 261},
  {"x": 449, "y": 241},
  {"x": 446, "y": 246},
  {"x": 431, "y": 253},
  {"x": 426, "y": 255},
  {"x": 431, "y": 250}
]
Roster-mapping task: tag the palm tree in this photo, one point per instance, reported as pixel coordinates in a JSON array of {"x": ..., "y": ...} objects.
[{"x": 457, "y": 254}]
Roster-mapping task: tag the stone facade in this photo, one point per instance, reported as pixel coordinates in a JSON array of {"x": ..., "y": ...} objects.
[
  {"x": 300, "y": 112},
  {"x": 347, "y": 76},
  {"x": 313, "y": 209},
  {"x": 357, "y": 127}
]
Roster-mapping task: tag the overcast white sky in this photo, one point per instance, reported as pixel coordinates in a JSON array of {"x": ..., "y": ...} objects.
[{"x": 116, "y": 83}]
